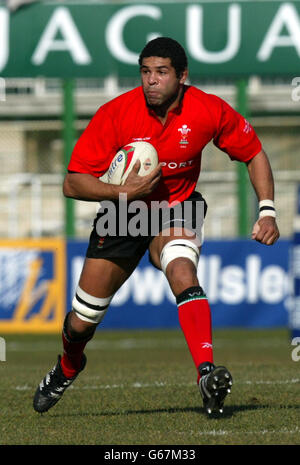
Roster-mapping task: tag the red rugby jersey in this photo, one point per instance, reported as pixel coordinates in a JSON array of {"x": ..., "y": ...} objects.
[{"x": 199, "y": 118}]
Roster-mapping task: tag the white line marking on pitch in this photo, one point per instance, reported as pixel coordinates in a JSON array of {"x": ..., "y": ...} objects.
[
  {"x": 296, "y": 430},
  {"x": 139, "y": 385},
  {"x": 132, "y": 343}
]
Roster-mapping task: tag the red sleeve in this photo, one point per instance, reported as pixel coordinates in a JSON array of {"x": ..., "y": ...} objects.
[
  {"x": 96, "y": 146},
  {"x": 235, "y": 135}
]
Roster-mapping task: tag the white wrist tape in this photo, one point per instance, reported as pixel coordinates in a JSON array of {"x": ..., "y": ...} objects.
[{"x": 267, "y": 208}]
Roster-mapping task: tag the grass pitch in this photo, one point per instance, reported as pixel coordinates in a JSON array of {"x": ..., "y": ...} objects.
[{"x": 139, "y": 388}]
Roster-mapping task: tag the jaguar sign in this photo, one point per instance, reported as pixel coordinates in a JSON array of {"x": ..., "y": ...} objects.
[{"x": 91, "y": 39}]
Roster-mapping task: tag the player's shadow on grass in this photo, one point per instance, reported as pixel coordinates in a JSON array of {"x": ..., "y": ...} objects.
[{"x": 229, "y": 411}]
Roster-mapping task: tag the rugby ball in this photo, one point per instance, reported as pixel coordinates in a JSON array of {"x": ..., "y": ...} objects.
[{"x": 125, "y": 159}]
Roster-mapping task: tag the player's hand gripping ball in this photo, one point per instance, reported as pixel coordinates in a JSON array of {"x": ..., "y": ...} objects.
[{"x": 125, "y": 159}]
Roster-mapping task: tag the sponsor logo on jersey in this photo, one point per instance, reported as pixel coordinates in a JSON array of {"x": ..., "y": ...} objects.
[{"x": 173, "y": 165}]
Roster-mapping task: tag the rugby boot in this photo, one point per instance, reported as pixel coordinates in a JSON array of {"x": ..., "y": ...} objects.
[
  {"x": 52, "y": 387},
  {"x": 214, "y": 385}
]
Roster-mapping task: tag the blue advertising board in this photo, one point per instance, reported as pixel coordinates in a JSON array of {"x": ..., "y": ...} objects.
[
  {"x": 247, "y": 285},
  {"x": 294, "y": 321}
]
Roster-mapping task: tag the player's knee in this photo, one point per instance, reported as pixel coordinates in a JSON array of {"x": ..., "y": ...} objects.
[
  {"x": 181, "y": 270},
  {"x": 89, "y": 308},
  {"x": 179, "y": 248}
]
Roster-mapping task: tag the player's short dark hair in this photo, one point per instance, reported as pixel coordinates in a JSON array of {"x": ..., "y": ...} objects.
[{"x": 165, "y": 47}]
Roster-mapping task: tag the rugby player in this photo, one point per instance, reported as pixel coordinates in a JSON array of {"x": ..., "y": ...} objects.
[{"x": 178, "y": 120}]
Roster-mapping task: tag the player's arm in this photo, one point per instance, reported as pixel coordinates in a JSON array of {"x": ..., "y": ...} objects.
[
  {"x": 81, "y": 186},
  {"x": 265, "y": 229}
]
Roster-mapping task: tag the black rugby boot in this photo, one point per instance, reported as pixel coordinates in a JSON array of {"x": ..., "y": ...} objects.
[
  {"x": 52, "y": 387},
  {"x": 215, "y": 383}
]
